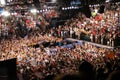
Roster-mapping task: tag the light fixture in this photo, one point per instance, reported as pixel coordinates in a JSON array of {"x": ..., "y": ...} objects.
[
  {"x": 72, "y": 7},
  {"x": 107, "y": 1},
  {"x": 46, "y": 9},
  {"x": 54, "y": 1},
  {"x": 40, "y": 10},
  {"x": 63, "y": 8},
  {"x": 5, "y": 13},
  {"x": 68, "y": 7},
  {"x": 2, "y": 2},
  {"x": 33, "y": 11}
]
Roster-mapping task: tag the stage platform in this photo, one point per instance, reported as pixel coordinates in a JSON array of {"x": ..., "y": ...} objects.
[{"x": 81, "y": 41}]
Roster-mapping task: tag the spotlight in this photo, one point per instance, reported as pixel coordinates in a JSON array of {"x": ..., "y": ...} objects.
[
  {"x": 5, "y": 13},
  {"x": 33, "y": 11},
  {"x": 107, "y": 1},
  {"x": 40, "y": 10},
  {"x": 46, "y": 9},
  {"x": 63, "y": 8},
  {"x": 2, "y": 2},
  {"x": 54, "y": 1},
  {"x": 68, "y": 7}
]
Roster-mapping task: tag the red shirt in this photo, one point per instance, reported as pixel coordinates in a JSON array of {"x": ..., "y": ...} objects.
[
  {"x": 98, "y": 18},
  {"x": 94, "y": 32},
  {"x": 103, "y": 30}
]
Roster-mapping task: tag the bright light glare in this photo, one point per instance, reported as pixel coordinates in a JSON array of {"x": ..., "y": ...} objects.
[
  {"x": 107, "y": 1},
  {"x": 2, "y": 2},
  {"x": 34, "y": 11},
  {"x": 53, "y": 0},
  {"x": 96, "y": 10},
  {"x": 5, "y": 13}
]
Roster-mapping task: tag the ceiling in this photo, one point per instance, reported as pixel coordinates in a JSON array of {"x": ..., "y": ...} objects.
[{"x": 16, "y": 5}]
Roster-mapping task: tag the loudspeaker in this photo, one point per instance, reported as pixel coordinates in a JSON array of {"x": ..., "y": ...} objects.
[
  {"x": 101, "y": 10},
  {"x": 8, "y": 70}
]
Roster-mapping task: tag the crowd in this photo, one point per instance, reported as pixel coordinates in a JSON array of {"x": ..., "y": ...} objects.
[
  {"x": 99, "y": 28},
  {"x": 36, "y": 63},
  {"x": 41, "y": 62}
]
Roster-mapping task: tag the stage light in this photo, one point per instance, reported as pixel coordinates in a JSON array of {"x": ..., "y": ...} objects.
[
  {"x": 5, "y": 13},
  {"x": 33, "y": 11},
  {"x": 54, "y": 1},
  {"x": 2, "y": 2},
  {"x": 63, "y": 8},
  {"x": 107, "y": 1},
  {"x": 12, "y": 13},
  {"x": 46, "y": 9},
  {"x": 40, "y": 10},
  {"x": 76, "y": 7},
  {"x": 96, "y": 10},
  {"x": 70, "y": 7},
  {"x": 90, "y": 6}
]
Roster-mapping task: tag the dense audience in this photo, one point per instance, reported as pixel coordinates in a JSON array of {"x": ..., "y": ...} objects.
[
  {"x": 103, "y": 28},
  {"x": 42, "y": 61},
  {"x": 99, "y": 28}
]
